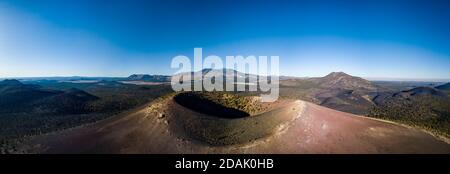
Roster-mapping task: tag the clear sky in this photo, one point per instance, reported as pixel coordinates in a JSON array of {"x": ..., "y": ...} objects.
[{"x": 378, "y": 38}]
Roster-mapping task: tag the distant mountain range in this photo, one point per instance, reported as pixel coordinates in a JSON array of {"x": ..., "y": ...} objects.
[
  {"x": 227, "y": 74},
  {"x": 148, "y": 78},
  {"x": 18, "y": 97}
]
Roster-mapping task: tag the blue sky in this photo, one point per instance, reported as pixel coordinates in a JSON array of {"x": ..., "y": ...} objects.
[{"x": 395, "y": 39}]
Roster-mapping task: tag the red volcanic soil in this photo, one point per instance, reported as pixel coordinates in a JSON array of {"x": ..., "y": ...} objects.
[
  {"x": 309, "y": 129},
  {"x": 323, "y": 130}
]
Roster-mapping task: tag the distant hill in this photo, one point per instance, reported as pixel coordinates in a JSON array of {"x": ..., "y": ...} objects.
[
  {"x": 148, "y": 78},
  {"x": 389, "y": 98},
  {"x": 222, "y": 76},
  {"x": 10, "y": 82},
  {"x": 226, "y": 73},
  {"x": 336, "y": 90},
  {"x": 14, "y": 94},
  {"x": 421, "y": 91},
  {"x": 72, "y": 101},
  {"x": 347, "y": 93},
  {"x": 18, "y": 97},
  {"x": 352, "y": 101},
  {"x": 341, "y": 80},
  {"x": 425, "y": 107},
  {"x": 444, "y": 87}
]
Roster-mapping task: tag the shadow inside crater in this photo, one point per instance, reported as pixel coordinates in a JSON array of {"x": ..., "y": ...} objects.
[{"x": 197, "y": 103}]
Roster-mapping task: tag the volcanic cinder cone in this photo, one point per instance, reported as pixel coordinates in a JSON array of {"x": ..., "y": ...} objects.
[{"x": 287, "y": 126}]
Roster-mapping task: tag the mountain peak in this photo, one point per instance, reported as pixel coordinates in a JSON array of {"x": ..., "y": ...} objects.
[
  {"x": 344, "y": 81},
  {"x": 337, "y": 74}
]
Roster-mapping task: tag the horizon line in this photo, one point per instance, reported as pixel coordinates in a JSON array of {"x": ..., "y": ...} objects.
[{"x": 398, "y": 79}]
